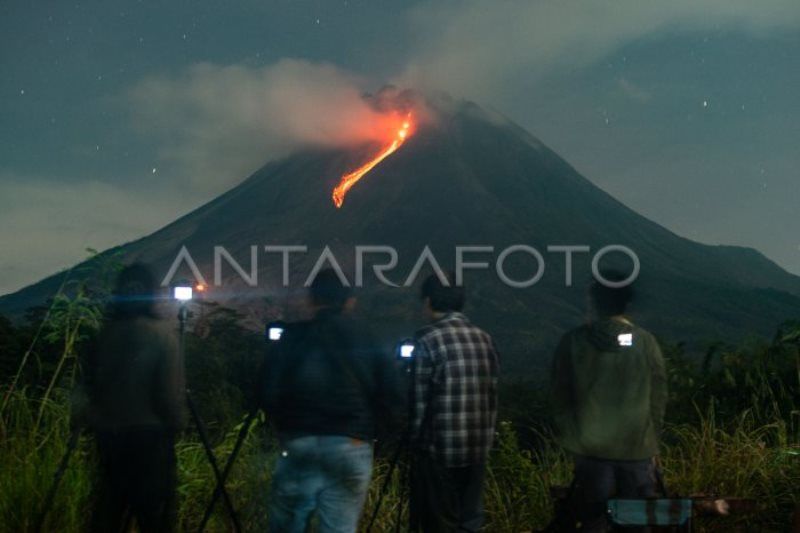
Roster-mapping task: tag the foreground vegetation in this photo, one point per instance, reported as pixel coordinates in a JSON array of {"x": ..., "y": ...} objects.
[
  {"x": 741, "y": 459},
  {"x": 733, "y": 430}
]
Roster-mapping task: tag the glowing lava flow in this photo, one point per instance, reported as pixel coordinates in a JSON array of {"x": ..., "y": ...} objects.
[{"x": 348, "y": 180}]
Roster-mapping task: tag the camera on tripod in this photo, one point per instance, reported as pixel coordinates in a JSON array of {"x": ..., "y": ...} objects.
[
  {"x": 274, "y": 330},
  {"x": 405, "y": 349}
]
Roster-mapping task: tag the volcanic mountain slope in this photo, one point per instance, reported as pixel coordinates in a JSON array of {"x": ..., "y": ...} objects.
[{"x": 466, "y": 178}]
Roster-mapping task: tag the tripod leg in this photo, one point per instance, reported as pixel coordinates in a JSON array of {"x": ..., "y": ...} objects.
[
  {"x": 245, "y": 429},
  {"x": 201, "y": 430},
  {"x": 387, "y": 480},
  {"x": 405, "y": 475},
  {"x": 128, "y": 521},
  {"x": 62, "y": 467}
]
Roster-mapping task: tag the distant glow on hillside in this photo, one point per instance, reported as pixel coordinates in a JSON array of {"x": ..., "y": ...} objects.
[{"x": 348, "y": 180}]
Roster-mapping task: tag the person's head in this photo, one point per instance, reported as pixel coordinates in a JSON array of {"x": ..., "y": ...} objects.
[
  {"x": 328, "y": 292},
  {"x": 440, "y": 298},
  {"x": 611, "y": 301},
  {"x": 134, "y": 292}
]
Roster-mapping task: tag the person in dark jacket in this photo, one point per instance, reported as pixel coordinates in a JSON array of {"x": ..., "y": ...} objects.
[
  {"x": 135, "y": 384},
  {"x": 609, "y": 392},
  {"x": 455, "y": 412},
  {"x": 325, "y": 386}
]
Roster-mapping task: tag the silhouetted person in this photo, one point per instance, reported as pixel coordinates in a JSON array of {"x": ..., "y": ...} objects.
[
  {"x": 455, "y": 411},
  {"x": 325, "y": 387},
  {"x": 609, "y": 393},
  {"x": 136, "y": 388}
]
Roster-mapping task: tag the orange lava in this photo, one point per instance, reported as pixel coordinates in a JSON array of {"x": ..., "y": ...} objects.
[{"x": 348, "y": 180}]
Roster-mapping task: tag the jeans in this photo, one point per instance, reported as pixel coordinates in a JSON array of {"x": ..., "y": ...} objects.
[
  {"x": 323, "y": 475},
  {"x": 598, "y": 480},
  {"x": 446, "y": 499}
]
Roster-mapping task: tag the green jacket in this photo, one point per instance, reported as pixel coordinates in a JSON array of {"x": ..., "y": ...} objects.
[{"x": 609, "y": 391}]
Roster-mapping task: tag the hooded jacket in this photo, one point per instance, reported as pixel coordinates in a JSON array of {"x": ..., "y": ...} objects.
[{"x": 609, "y": 391}]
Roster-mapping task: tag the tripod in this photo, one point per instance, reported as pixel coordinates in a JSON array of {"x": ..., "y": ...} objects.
[
  {"x": 219, "y": 489},
  {"x": 62, "y": 467},
  {"x": 401, "y": 453},
  {"x": 237, "y": 447},
  {"x": 201, "y": 428}
]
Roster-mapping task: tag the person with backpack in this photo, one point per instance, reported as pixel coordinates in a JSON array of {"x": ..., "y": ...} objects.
[
  {"x": 609, "y": 391},
  {"x": 325, "y": 385}
]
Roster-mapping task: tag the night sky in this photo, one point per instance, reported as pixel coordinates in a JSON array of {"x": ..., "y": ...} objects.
[{"x": 118, "y": 117}]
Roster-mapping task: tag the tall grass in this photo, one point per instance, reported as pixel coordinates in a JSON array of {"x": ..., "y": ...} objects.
[
  {"x": 28, "y": 460},
  {"x": 743, "y": 442},
  {"x": 741, "y": 458}
]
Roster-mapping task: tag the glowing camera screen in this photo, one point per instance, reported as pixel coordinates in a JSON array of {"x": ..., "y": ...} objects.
[
  {"x": 625, "y": 339},
  {"x": 275, "y": 330},
  {"x": 182, "y": 293},
  {"x": 406, "y": 351},
  {"x": 275, "y": 333}
]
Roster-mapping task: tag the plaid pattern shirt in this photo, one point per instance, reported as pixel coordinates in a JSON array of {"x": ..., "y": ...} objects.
[{"x": 455, "y": 387}]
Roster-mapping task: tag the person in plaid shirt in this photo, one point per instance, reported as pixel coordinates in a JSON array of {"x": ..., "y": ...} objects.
[{"x": 454, "y": 413}]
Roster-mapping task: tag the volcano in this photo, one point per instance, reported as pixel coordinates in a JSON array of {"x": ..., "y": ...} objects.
[{"x": 466, "y": 177}]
